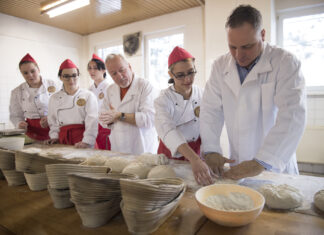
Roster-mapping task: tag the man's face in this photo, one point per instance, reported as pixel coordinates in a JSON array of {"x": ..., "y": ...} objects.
[
  {"x": 245, "y": 43},
  {"x": 120, "y": 71}
]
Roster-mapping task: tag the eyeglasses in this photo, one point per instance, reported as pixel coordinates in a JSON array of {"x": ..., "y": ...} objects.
[
  {"x": 67, "y": 77},
  {"x": 182, "y": 76}
]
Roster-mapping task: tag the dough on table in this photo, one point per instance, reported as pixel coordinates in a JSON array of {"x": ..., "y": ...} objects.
[
  {"x": 161, "y": 171},
  {"x": 117, "y": 164},
  {"x": 96, "y": 160},
  {"x": 281, "y": 196},
  {"x": 319, "y": 200},
  {"x": 137, "y": 168},
  {"x": 153, "y": 159}
]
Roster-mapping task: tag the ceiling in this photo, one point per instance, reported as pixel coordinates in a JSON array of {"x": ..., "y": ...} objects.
[{"x": 99, "y": 15}]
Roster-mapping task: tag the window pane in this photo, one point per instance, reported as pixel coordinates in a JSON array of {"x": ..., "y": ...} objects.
[
  {"x": 304, "y": 37},
  {"x": 159, "y": 50},
  {"x": 103, "y": 52}
]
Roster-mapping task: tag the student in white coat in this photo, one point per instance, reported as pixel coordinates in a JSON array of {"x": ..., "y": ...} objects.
[
  {"x": 97, "y": 71},
  {"x": 73, "y": 112},
  {"x": 259, "y": 91},
  {"x": 29, "y": 101},
  {"x": 128, "y": 109},
  {"x": 177, "y": 115}
]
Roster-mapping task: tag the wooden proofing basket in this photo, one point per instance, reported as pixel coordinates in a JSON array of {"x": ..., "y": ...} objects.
[{"x": 7, "y": 159}]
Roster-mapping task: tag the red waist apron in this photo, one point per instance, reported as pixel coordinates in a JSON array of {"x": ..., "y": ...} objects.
[
  {"x": 195, "y": 145},
  {"x": 71, "y": 134},
  {"x": 35, "y": 131},
  {"x": 102, "y": 141}
]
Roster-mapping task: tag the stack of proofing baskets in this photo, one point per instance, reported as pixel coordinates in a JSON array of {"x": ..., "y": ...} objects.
[
  {"x": 7, "y": 166},
  {"x": 96, "y": 196},
  {"x": 148, "y": 203}
]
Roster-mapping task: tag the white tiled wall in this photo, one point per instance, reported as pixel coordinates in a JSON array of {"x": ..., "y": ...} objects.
[{"x": 315, "y": 110}]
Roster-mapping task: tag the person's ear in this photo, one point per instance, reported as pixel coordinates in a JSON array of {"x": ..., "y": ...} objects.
[{"x": 263, "y": 34}]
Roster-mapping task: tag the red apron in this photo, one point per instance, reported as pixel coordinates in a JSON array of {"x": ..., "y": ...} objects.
[
  {"x": 102, "y": 141},
  {"x": 195, "y": 145},
  {"x": 71, "y": 134},
  {"x": 35, "y": 131}
]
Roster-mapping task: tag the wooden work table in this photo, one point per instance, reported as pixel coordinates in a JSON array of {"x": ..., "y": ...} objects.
[{"x": 25, "y": 212}]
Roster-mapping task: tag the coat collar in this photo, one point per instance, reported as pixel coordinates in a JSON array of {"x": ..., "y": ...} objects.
[{"x": 132, "y": 91}]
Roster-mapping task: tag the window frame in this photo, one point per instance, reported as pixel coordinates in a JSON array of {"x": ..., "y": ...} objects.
[{"x": 106, "y": 45}]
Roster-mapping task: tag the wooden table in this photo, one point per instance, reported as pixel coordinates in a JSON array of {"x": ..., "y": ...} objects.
[{"x": 25, "y": 212}]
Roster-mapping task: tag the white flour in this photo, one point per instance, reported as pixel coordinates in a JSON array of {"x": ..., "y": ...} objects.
[{"x": 234, "y": 201}]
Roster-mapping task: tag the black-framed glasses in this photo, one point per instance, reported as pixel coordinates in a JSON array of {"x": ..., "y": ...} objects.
[
  {"x": 67, "y": 77},
  {"x": 182, "y": 76}
]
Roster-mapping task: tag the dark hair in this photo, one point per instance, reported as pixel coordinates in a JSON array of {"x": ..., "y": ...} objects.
[
  {"x": 244, "y": 14},
  {"x": 60, "y": 72},
  {"x": 100, "y": 65},
  {"x": 171, "y": 80},
  {"x": 26, "y": 62}
]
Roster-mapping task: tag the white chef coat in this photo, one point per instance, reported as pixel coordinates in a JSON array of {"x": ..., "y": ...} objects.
[
  {"x": 80, "y": 108},
  {"x": 265, "y": 116},
  {"x": 100, "y": 91},
  {"x": 175, "y": 119},
  {"x": 125, "y": 137},
  {"x": 32, "y": 103}
]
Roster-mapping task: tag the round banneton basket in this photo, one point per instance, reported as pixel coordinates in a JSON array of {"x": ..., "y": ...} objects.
[
  {"x": 12, "y": 143},
  {"x": 60, "y": 197},
  {"x": 149, "y": 194},
  {"x": 57, "y": 174},
  {"x": 148, "y": 221},
  {"x": 14, "y": 178},
  {"x": 36, "y": 182},
  {"x": 7, "y": 159}
]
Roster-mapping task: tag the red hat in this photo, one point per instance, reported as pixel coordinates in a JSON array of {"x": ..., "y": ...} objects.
[
  {"x": 27, "y": 57},
  {"x": 178, "y": 54},
  {"x": 67, "y": 64},
  {"x": 95, "y": 57}
]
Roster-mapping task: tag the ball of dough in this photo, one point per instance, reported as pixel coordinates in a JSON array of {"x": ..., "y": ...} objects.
[
  {"x": 117, "y": 164},
  {"x": 281, "y": 196},
  {"x": 137, "y": 168},
  {"x": 153, "y": 159},
  {"x": 319, "y": 200},
  {"x": 96, "y": 160},
  {"x": 161, "y": 171}
]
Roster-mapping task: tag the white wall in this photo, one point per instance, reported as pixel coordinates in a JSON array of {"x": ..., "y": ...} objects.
[
  {"x": 191, "y": 20},
  {"x": 48, "y": 45}
]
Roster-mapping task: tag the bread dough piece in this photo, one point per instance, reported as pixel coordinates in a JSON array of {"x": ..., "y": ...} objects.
[
  {"x": 234, "y": 201},
  {"x": 281, "y": 196},
  {"x": 153, "y": 159},
  {"x": 319, "y": 200},
  {"x": 117, "y": 164},
  {"x": 137, "y": 168},
  {"x": 95, "y": 161},
  {"x": 162, "y": 171}
]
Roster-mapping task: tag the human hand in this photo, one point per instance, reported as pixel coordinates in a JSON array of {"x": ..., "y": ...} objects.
[
  {"x": 201, "y": 171},
  {"x": 109, "y": 116},
  {"x": 22, "y": 125},
  {"x": 43, "y": 122},
  {"x": 82, "y": 145},
  {"x": 244, "y": 169},
  {"x": 51, "y": 141},
  {"x": 216, "y": 162}
]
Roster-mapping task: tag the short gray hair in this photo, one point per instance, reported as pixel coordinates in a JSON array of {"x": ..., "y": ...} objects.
[{"x": 113, "y": 56}]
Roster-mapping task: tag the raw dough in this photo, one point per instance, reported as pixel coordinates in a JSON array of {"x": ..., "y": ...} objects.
[
  {"x": 319, "y": 200},
  {"x": 117, "y": 164},
  {"x": 281, "y": 196},
  {"x": 137, "y": 168},
  {"x": 96, "y": 160},
  {"x": 153, "y": 159},
  {"x": 162, "y": 171},
  {"x": 234, "y": 201}
]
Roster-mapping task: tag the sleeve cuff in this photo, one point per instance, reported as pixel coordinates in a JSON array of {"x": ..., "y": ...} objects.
[
  {"x": 173, "y": 140},
  {"x": 266, "y": 166}
]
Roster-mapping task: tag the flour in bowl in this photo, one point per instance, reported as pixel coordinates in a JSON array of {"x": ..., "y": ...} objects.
[{"x": 234, "y": 201}]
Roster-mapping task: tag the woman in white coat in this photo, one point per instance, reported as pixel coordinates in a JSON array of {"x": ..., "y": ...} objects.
[
  {"x": 29, "y": 101},
  {"x": 97, "y": 71},
  {"x": 177, "y": 115},
  {"x": 73, "y": 112}
]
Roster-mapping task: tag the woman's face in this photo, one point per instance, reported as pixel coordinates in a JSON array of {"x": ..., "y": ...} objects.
[
  {"x": 70, "y": 78},
  {"x": 94, "y": 72},
  {"x": 30, "y": 72},
  {"x": 183, "y": 74}
]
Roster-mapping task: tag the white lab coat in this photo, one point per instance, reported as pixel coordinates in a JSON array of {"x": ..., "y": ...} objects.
[
  {"x": 32, "y": 103},
  {"x": 67, "y": 109},
  {"x": 125, "y": 137},
  {"x": 264, "y": 117},
  {"x": 175, "y": 119},
  {"x": 100, "y": 91}
]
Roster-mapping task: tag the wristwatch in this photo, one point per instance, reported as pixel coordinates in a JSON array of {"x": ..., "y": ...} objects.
[{"x": 122, "y": 117}]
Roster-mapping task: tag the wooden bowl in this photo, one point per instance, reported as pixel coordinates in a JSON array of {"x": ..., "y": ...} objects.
[{"x": 229, "y": 218}]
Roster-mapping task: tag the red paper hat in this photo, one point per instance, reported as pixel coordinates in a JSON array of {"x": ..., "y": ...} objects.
[
  {"x": 178, "y": 54},
  {"x": 94, "y": 56},
  {"x": 67, "y": 64},
  {"x": 28, "y": 57}
]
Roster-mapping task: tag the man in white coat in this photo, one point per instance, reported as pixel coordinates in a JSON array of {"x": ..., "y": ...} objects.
[
  {"x": 128, "y": 109},
  {"x": 259, "y": 91}
]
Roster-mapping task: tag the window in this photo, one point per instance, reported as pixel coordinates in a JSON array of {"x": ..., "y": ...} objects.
[
  {"x": 104, "y": 51},
  {"x": 158, "y": 47},
  {"x": 301, "y": 32}
]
